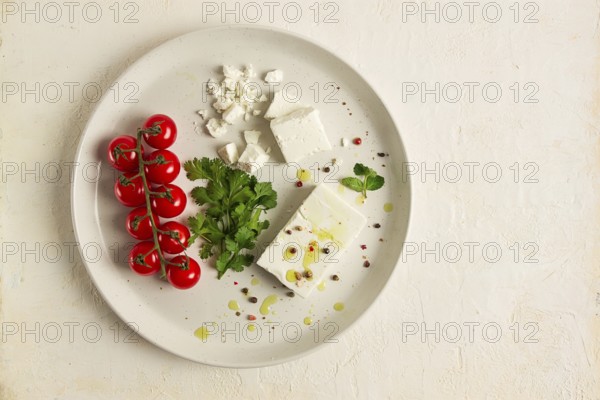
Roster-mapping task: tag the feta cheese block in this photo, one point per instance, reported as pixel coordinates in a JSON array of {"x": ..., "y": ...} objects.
[
  {"x": 300, "y": 134},
  {"x": 229, "y": 153},
  {"x": 253, "y": 158},
  {"x": 281, "y": 106},
  {"x": 312, "y": 244}
]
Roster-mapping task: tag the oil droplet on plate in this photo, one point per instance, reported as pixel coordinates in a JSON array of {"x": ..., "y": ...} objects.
[
  {"x": 341, "y": 188},
  {"x": 267, "y": 303},
  {"x": 303, "y": 175},
  {"x": 251, "y": 327},
  {"x": 321, "y": 286},
  {"x": 233, "y": 305},
  {"x": 360, "y": 200},
  {"x": 388, "y": 207},
  {"x": 307, "y": 321},
  {"x": 255, "y": 281},
  {"x": 338, "y": 306},
  {"x": 202, "y": 333}
]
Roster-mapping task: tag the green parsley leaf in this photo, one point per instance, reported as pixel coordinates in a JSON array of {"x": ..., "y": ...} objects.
[{"x": 232, "y": 203}]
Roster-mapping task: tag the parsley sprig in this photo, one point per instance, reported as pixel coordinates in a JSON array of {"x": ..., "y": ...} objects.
[
  {"x": 230, "y": 220},
  {"x": 371, "y": 180}
]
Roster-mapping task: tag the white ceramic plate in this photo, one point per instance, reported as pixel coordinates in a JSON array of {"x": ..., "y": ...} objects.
[{"x": 170, "y": 80}]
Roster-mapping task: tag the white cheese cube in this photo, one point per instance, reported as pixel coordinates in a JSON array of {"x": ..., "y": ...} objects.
[
  {"x": 275, "y": 76},
  {"x": 253, "y": 158},
  {"x": 323, "y": 220},
  {"x": 251, "y": 137},
  {"x": 300, "y": 134},
  {"x": 229, "y": 153},
  {"x": 281, "y": 106},
  {"x": 216, "y": 127},
  {"x": 233, "y": 113}
]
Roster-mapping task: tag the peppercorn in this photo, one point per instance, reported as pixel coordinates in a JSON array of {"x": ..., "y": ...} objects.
[
  {"x": 326, "y": 169},
  {"x": 366, "y": 264},
  {"x": 377, "y": 226},
  {"x": 381, "y": 154},
  {"x": 289, "y": 232},
  {"x": 308, "y": 273},
  {"x": 299, "y": 228},
  {"x": 357, "y": 141},
  {"x": 251, "y": 317},
  {"x": 245, "y": 290},
  {"x": 297, "y": 275},
  {"x": 326, "y": 250},
  {"x": 291, "y": 294},
  {"x": 253, "y": 300},
  {"x": 299, "y": 184},
  {"x": 292, "y": 250},
  {"x": 335, "y": 278}
]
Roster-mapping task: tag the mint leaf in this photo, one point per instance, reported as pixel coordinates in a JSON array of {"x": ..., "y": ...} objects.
[
  {"x": 371, "y": 180},
  {"x": 374, "y": 182},
  {"x": 353, "y": 183},
  {"x": 360, "y": 169}
]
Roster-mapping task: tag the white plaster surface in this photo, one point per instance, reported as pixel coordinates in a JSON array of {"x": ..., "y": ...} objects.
[{"x": 554, "y": 299}]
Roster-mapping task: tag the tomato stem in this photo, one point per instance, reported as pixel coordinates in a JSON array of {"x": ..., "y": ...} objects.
[{"x": 147, "y": 193}]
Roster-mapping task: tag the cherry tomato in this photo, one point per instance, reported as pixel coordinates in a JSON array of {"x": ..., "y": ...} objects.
[
  {"x": 176, "y": 240},
  {"x": 143, "y": 260},
  {"x": 164, "y": 131},
  {"x": 164, "y": 168},
  {"x": 172, "y": 204},
  {"x": 138, "y": 224},
  {"x": 130, "y": 192},
  {"x": 185, "y": 276},
  {"x": 120, "y": 154}
]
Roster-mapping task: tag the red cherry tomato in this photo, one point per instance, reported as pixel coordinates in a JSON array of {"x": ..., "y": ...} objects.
[
  {"x": 184, "y": 276},
  {"x": 164, "y": 166},
  {"x": 163, "y": 131},
  {"x": 170, "y": 205},
  {"x": 143, "y": 260},
  {"x": 120, "y": 154},
  {"x": 138, "y": 223},
  {"x": 130, "y": 192},
  {"x": 176, "y": 240}
]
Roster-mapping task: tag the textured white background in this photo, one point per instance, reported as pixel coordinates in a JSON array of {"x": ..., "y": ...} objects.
[{"x": 557, "y": 294}]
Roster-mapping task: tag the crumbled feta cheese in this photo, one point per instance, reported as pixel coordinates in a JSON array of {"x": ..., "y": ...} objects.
[
  {"x": 232, "y": 72},
  {"x": 222, "y": 104},
  {"x": 345, "y": 142},
  {"x": 251, "y": 137},
  {"x": 253, "y": 158},
  {"x": 233, "y": 113},
  {"x": 300, "y": 134},
  {"x": 263, "y": 98},
  {"x": 216, "y": 127},
  {"x": 202, "y": 113},
  {"x": 256, "y": 112},
  {"x": 275, "y": 76},
  {"x": 229, "y": 153},
  {"x": 281, "y": 106}
]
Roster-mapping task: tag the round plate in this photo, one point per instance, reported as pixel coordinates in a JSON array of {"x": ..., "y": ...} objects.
[{"x": 171, "y": 80}]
